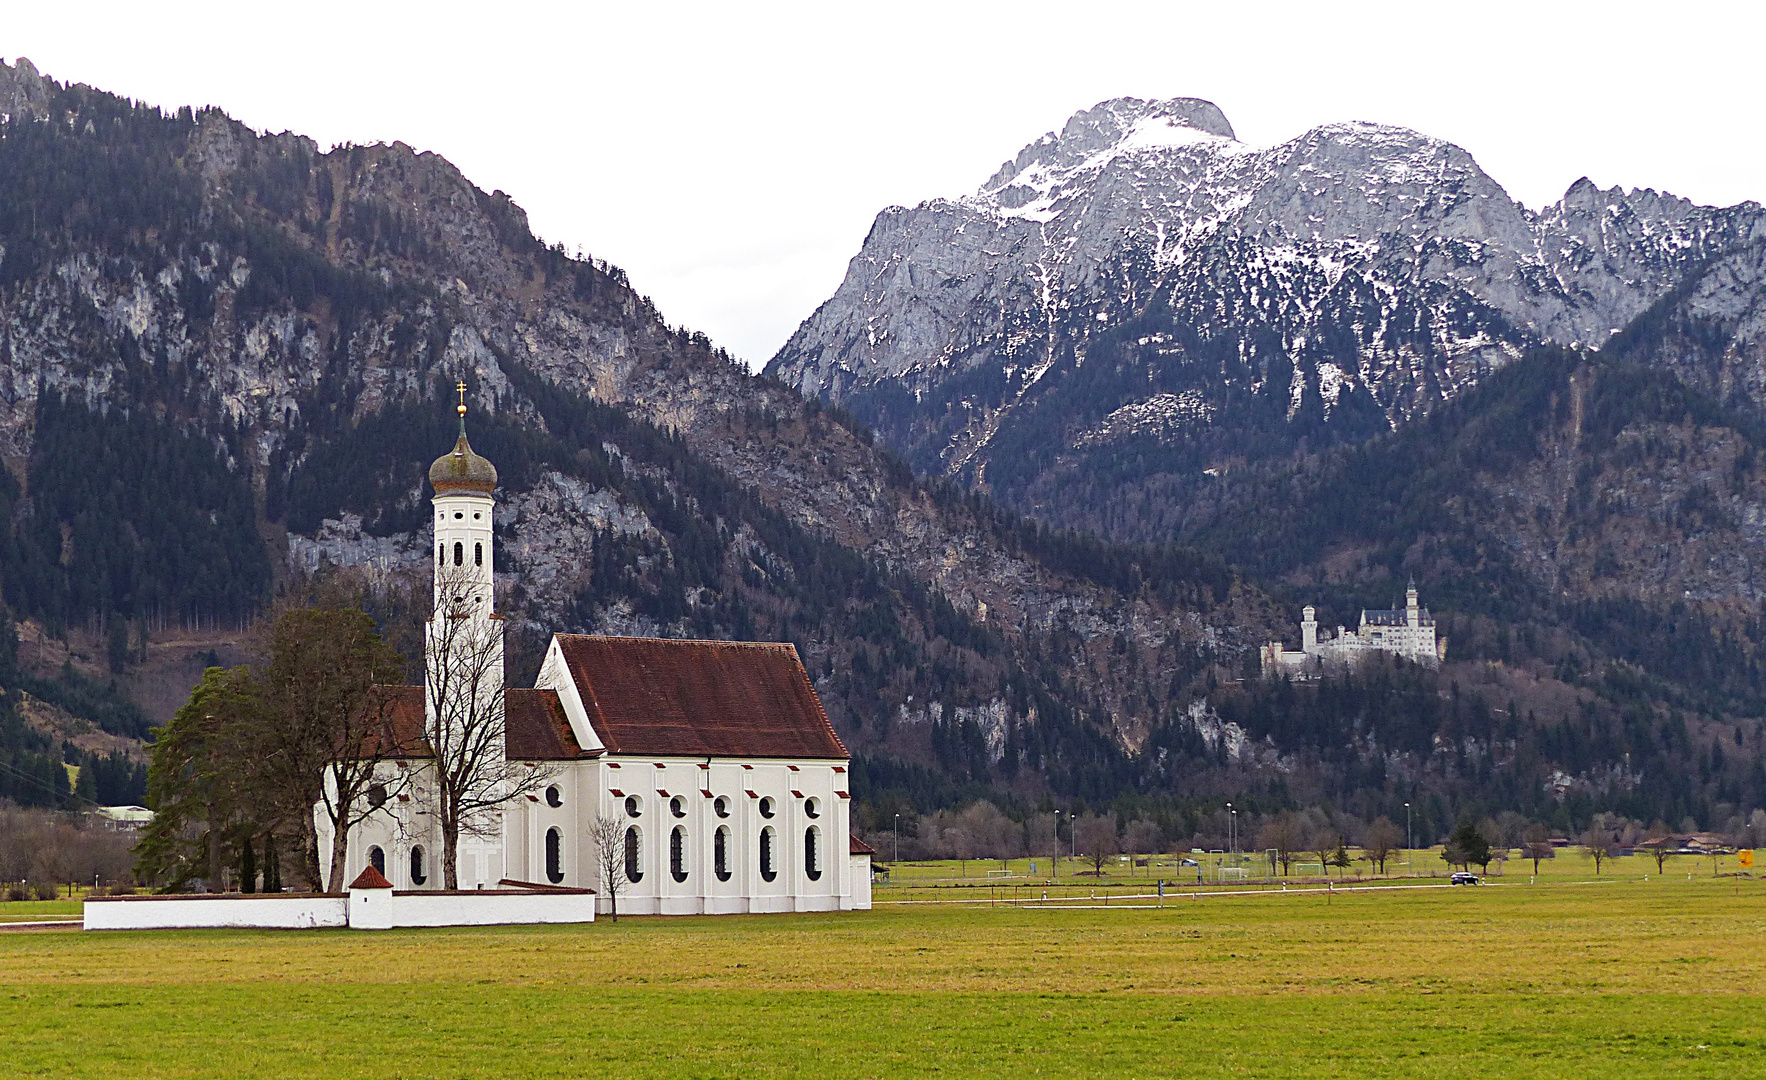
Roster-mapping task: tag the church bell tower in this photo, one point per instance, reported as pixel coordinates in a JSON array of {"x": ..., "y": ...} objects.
[
  {"x": 463, "y": 483},
  {"x": 464, "y": 679}
]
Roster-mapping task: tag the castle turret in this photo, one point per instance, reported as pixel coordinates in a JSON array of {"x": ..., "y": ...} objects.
[
  {"x": 1412, "y": 614},
  {"x": 1308, "y": 630}
]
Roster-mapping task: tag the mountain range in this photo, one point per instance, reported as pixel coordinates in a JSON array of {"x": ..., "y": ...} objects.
[{"x": 226, "y": 358}]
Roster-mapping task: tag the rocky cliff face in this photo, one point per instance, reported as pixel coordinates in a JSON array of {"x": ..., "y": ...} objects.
[{"x": 1143, "y": 285}]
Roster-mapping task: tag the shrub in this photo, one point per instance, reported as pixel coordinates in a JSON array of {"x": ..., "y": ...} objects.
[
  {"x": 46, "y": 890},
  {"x": 17, "y": 890}
]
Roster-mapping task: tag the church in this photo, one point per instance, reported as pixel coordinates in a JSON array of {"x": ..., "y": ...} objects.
[
  {"x": 711, "y": 762},
  {"x": 1407, "y": 632}
]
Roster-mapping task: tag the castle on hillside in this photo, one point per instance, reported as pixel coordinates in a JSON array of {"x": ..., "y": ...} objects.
[{"x": 1407, "y": 632}]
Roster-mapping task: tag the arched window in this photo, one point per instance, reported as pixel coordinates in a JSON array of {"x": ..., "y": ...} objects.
[
  {"x": 768, "y": 870},
  {"x": 633, "y": 871},
  {"x": 554, "y": 855},
  {"x": 418, "y": 877},
  {"x": 441, "y": 554},
  {"x": 459, "y": 553},
  {"x": 766, "y": 807},
  {"x": 377, "y": 859},
  {"x": 677, "y": 806},
  {"x": 720, "y": 853},
  {"x": 812, "y": 853},
  {"x": 553, "y": 796},
  {"x": 477, "y": 554},
  {"x": 677, "y": 853}
]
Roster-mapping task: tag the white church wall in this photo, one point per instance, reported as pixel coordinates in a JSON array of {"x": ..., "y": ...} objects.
[{"x": 786, "y": 789}]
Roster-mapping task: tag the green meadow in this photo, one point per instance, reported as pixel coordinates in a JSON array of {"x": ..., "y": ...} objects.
[{"x": 1560, "y": 978}]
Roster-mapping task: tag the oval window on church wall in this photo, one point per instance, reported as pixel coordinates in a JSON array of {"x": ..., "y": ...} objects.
[
  {"x": 418, "y": 876},
  {"x": 677, "y": 853},
  {"x": 634, "y": 872},
  {"x": 768, "y": 868}
]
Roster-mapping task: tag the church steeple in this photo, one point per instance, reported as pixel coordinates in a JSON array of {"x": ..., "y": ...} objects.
[{"x": 464, "y": 484}]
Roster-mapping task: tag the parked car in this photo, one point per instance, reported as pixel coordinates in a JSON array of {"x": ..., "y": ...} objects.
[{"x": 1460, "y": 877}]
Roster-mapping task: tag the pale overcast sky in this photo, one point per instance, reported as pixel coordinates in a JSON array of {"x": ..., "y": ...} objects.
[{"x": 731, "y": 156}]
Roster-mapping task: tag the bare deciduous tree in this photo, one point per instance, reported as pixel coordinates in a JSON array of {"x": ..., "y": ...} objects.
[
  {"x": 1142, "y": 837},
  {"x": 1382, "y": 841},
  {"x": 1661, "y": 848},
  {"x": 1324, "y": 842},
  {"x": 1599, "y": 842},
  {"x": 1537, "y": 845},
  {"x": 1096, "y": 835},
  {"x": 327, "y": 687},
  {"x": 1284, "y": 834},
  {"x": 608, "y": 836},
  {"x": 467, "y": 731}
]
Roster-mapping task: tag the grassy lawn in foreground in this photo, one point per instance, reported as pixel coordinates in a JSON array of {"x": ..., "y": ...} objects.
[{"x": 1558, "y": 981}]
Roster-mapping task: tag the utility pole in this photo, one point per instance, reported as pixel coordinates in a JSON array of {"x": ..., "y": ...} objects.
[
  {"x": 1232, "y": 830},
  {"x": 898, "y": 838},
  {"x": 1055, "y": 861}
]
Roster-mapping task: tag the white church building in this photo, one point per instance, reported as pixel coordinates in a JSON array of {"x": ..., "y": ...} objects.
[
  {"x": 1407, "y": 632},
  {"x": 728, "y": 782}
]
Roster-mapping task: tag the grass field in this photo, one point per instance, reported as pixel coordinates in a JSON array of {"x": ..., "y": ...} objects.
[{"x": 1557, "y": 979}]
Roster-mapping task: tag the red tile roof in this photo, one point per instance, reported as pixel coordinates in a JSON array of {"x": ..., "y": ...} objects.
[
  {"x": 859, "y": 847},
  {"x": 655, "y": 696},
  {"x": 370, "y": 878},
  {"x": 536, "y": 729},
  {"x": 402, "y": 733}
]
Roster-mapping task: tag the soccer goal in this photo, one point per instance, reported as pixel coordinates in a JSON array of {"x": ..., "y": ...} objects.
[{"x": 1229, "y": 873}]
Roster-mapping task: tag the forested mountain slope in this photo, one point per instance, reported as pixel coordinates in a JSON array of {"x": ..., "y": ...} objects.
[{"x": 225, "y": 357}]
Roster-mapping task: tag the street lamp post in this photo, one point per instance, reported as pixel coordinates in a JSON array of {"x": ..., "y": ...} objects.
[
  {"x": 1055, "y": 856},
  {"x": 898, "y": 838},
  {"x": 1232, "y": 830},
  {"x": 1408, "y": 842}
]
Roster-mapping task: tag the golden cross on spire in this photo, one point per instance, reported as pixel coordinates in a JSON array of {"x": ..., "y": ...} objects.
[{"x": 461, "y": 387}]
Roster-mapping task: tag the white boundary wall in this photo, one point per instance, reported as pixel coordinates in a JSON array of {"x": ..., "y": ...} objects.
[
  {"x": 299, "y": 911},
  {"x": 363, "y": 909},
  {"x": 383, "y": 909}
]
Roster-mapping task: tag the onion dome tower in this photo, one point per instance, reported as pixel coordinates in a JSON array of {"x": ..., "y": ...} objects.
[
  {"x": 463, "y": 689},
  {"x": 463, "y": 483}
]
